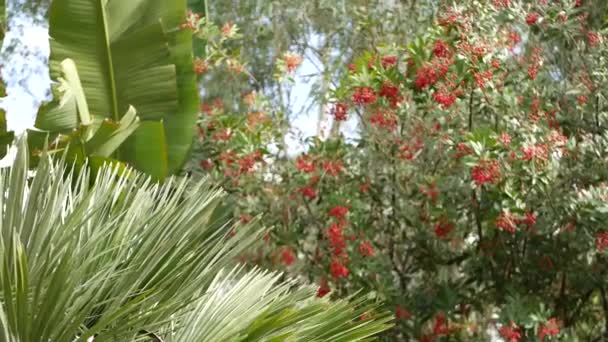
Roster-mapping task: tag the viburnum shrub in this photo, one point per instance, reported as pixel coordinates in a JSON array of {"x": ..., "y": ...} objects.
[{"x": 474, "y": 198}]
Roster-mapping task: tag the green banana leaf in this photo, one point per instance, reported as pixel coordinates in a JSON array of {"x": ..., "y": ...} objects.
[
  {"x": 128, "y": 54},
  {"x": 91, "y": 137},
  {"x": 6, "y": 137}
]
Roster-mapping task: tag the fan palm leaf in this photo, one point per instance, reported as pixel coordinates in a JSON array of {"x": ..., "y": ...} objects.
[
  {"x": 256, "y": 306},
  {"x": 129, "y": 258}
]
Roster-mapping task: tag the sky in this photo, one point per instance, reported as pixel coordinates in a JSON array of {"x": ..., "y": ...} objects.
[{"x": 27, "y": 78}]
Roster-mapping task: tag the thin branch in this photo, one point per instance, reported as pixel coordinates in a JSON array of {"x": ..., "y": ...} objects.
[
  {"x": 477, "y": 217},
  {"x": 570, "y": 320},
  {"x": 597, "y": 113},
  {"x": 560, "y": 302},
  {"x": 471, "y": 110},
  {"x": 605, "y": 306}
]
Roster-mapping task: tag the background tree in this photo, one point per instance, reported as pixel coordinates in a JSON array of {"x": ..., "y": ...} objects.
[{"x": 325, "y": 34}]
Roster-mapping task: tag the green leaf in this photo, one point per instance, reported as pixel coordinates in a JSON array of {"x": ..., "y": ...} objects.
[
  {"x": 6, "y": 137},
  {"x": 71, "y": 108},
  {"x": 128, "y": 53},
  {"x": 110, "y": 135},
  {"x": 148, "y": 148}
]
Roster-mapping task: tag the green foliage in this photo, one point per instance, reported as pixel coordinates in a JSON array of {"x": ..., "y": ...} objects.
[
  {"x": 126, "y": 54},
  {"x": 6, "y": 137},
  {"x": 128, "y": 259},
  {"x": 89, "y": 138},
  {"x": 326, "y": 33},
  {"x": 471, "y": 197},
  {"x": 278, "y": 312}
]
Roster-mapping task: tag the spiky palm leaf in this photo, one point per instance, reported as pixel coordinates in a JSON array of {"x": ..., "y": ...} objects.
[
  {"x": 77, "y": 260},
  {"x": 257, "y": 307},
  {"x": 127, "y": 259}
]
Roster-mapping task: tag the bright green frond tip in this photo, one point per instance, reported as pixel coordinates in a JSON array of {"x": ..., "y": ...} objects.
[{"x": 129, "y": 259}]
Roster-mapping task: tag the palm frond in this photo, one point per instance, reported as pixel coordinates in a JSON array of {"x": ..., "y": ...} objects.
[
  {"x": 79, "y": 259},
  {"x": 256, "y": 306},
  {"x": 129, "y": 258}
]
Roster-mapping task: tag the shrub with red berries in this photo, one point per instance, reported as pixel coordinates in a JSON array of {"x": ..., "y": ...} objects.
[{"x": 473, "y": 199}]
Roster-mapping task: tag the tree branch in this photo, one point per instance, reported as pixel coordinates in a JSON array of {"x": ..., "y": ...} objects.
[{"x": 605, "y": 306}]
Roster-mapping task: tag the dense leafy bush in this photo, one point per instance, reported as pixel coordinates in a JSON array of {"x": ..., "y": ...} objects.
[{"x": 472, "y": 199}]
